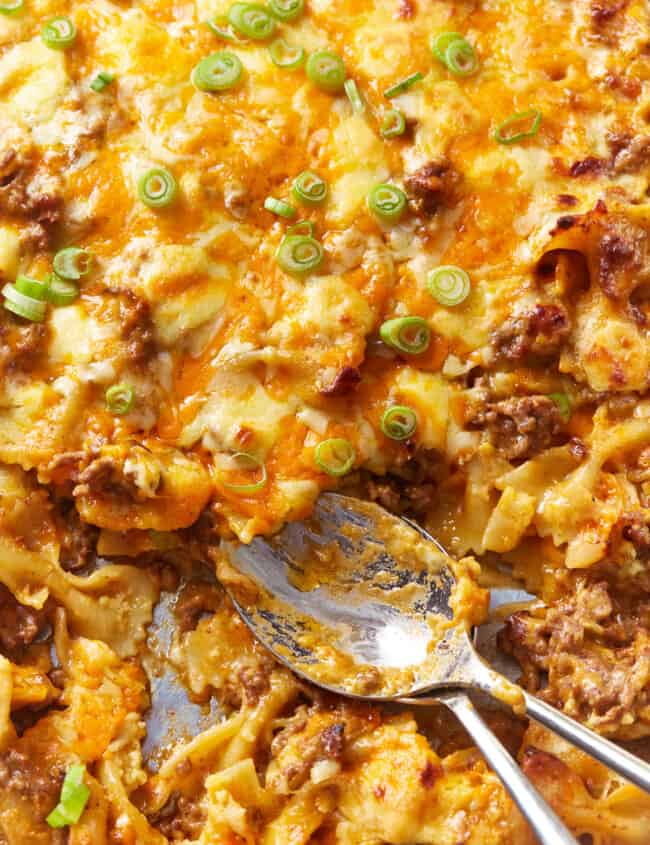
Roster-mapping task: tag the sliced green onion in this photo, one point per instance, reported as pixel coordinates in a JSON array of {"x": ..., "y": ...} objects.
[
  {"x": 245, "y": 462},
  {"x": 442, "y": 41},
  {"x": 59, "y": 33},
  {"x": 406, "y": 334},
  {"x": 286, "y": 55},
  {"x": 393, "y": 124},
  {"x": 387, "y": 202},
  {"x": 448, "y": 284},
  {"x": 252, "y": 20},
  {"x": 31, "y": 287},
  {"x": 309, "y": 189},
  {"x": 563, "y": 404},
  {"x": 10, "y": 7},
  {"x": 120, "y": 398},
  {"x": 73, "y": 800},
  {"x": 218, "y": 72},
  {"x": 157, "y": 188},
  {"x": 24, "y": 306},
  {"x": 72, "y": 263},
  {"x": 305, "y": 227},
  {"x": 404, "y": 85},
  {"x": 220, "y": 26},
  {"x": 335, "y": 456},
  {"x": 326, "y": 70},
  {"x": 358, "y": 106},
  {"x": 102, "y": 80},
  {"x": 531, "y": 118},
  {"x": 287, "y": 10},
  {"x": 61, "y": 292},
  {"x": 461, "y": 58},
  {"x": 299, "y": 254},
  {"x": 399, "y": 422},
  {"x": 279, "y": 207}
]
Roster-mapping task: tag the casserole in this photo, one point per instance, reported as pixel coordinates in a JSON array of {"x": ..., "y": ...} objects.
[{"x": 397, "y": 247}]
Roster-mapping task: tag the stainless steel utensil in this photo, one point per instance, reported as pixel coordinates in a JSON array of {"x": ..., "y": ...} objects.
[{"x": 373, "y": 610}]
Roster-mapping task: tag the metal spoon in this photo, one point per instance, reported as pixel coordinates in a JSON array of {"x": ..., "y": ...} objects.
[{"x": 336, "y": 601}]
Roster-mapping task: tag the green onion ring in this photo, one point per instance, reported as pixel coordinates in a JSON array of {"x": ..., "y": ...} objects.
[
  {"x": 287, "y": 10},
  {"x": 72, "y": 263},
  {"x": 387, "y": 202},
  {"x": 461, "y": 58},
  {"x": 299, "y": 254},
  {"x": 250, "y": 463},
  {"x": 286, "y": 55},
  {"x": 411, "y": 335},
  {"x": 252, "y": 20},
  {"x": 532, "y": 116},
  {"x": 304, "y": 227},
  {"x": 563, "y": 404},
  {"x": 399, "y": 422},
  {"x": 120, "y": 399},
  {"x": 335, "y": 456},
  {"x": 73, "y": 800},
  {"x": 24, "y": 306},
  {"x": 279, "y": 207},
  {"x": 101, "y": 81},
  {"x": 61, "y": 292},
  {"x": 448, "y": 284},
  {"x": 442, "y": 41},
  {"x": 31, "y": 287},
  {"x": 157, "y": 188},
  {"x": 358, "y": 106},
  {"x": 218, "y": 72},
  {"x": 404, "y": 85},
  {"x": 221, "y": 27},
  {"x": 393, "y": 124},
  {"x": 309, "y": 188},
  {"x": 59, "y": 33},
  {"x": 11, "y": 7},
  {"x": 326, "y": 70}
]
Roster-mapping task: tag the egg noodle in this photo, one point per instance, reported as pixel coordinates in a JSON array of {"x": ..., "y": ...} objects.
[{"x": 249, "y": 253}]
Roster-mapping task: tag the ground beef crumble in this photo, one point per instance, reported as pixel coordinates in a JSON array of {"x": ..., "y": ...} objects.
[
  {"x": 521, "y": 426},
  {"x": 589, "y": 654},
  {"x": 539, "y": 332},
  {"x": 19, "y": 625}
]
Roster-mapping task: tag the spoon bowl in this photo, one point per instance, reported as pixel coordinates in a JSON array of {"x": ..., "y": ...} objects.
[
  {"x": 357, "y": 601},
  {"x": 368, "y": 605}
]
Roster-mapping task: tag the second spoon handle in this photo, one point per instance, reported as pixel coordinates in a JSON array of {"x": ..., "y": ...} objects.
[
  {"x": 548, "y": 827},
  {"x": 637, "y": 771}
]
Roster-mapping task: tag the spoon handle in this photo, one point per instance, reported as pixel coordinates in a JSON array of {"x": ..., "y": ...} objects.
[
  {"x": 548, "y": 827},
  {"x": 618, "y": 759}
]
